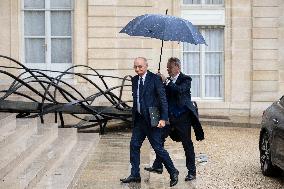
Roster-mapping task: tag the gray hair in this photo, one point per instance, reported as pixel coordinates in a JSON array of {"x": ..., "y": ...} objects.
[
  {"x": 143, "y": 58},
  {"x": 174, "y": 60}
]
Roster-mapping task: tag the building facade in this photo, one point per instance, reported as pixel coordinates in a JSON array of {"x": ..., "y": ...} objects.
[{"x": 239, "y": 73}]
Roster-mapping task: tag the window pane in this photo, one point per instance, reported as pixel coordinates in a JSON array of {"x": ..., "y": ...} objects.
[
  {"x": 190, "y": 47},
  {"x": 60, "y": 4},
  {"x": 191, "y": 63},
  {"x": 34, "y": 23},
  {"x": 214, "y": 2},
  {"x": 60, "y": 23},
  {"x": 217, "y": 2},
  {"x": 213, "y": 62},
  {"x": 34, "y": 4},
  {"x": 191, "y": 1},
  {"x": 61, "y": 51},
  {"x": 214, "y": 39},
  {"x": 212, "y": 86},
  {"x": 195, "y": 86},
  {"x": 34, "y": 51}
]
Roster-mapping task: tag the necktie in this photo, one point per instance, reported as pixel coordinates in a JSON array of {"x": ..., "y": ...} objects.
[
  {"x": 140, "y": 94},
  {"x": 141, "y": 86}
]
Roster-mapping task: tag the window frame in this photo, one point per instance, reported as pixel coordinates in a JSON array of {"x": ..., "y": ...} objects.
[
  {"x": 47, "y": 37},
  {"x": 202, "y": 73}
]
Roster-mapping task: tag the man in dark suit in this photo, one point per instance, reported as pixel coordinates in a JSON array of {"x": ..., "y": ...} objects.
[
  {"x": 182, "y": 114},
  {"x": 147, "y": 92}
]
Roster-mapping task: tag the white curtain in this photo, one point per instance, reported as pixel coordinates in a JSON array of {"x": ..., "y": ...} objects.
[
  {"x": 191, "y": 1},
  {"x": 213, "y": 63},
  {"x": 61, "y": 43},
  {"x": 61, "y": 51},
  {"x": 35, "y": 51},
  {"x": 191, "y": 66},
  {"x": 214, "y": 1},
  {"x": 34, "y": 30},
  {"x": 217, "y": 2},
  {"x": 60, "y": 3},
  {"x": 33, "y": 4},
  {"x": 34, "y": 23}
]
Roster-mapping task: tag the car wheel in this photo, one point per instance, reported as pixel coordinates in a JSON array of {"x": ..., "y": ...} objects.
[{"x": 267, "y": 168}]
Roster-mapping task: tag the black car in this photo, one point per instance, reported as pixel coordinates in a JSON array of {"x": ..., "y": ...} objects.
[{"x": 271, "y": 140}]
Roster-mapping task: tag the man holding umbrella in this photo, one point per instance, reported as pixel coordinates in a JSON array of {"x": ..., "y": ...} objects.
[{"x": 182, "y": 114}]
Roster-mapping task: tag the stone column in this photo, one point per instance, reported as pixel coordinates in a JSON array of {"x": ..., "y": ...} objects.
[
  {"x": 80, "y": 35},
  {"x": 241, "y": 58},
  {"x": 5, "y": 32}
]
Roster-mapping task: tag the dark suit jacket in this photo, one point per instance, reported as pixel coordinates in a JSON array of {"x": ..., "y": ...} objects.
[
  {"x": 181, "y": 90},
  {"x": 153, "y": 95}
]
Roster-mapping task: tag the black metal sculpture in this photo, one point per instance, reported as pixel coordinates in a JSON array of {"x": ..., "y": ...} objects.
[{"x": 46, "y": 89}]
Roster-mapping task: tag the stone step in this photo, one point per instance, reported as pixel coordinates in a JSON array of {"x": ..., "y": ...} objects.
[
  {"x": 66, "y": 173},
  {"x": 47, "y": 134},
  {"x": 41, "y": 161},
  {"x": 13, "y": 153},
  {"x": 23, "y": 126},
  {"x": 7, "y": 124}
]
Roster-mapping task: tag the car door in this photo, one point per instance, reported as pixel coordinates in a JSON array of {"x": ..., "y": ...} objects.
[{"x": 278, "y": 134}]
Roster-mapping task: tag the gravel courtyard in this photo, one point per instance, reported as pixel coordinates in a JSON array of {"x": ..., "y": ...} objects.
[{"x": 232, "y": 162}]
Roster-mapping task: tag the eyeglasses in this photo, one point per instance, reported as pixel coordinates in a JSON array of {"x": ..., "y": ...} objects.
[{"x": 139, "y": 66}]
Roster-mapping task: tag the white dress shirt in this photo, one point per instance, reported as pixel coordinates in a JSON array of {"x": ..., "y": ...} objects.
[
  {"x": 143, "y": 79},
  {"x": 174, "y": 79}
]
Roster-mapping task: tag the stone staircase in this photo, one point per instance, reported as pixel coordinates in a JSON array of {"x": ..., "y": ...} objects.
[{"x": 34, "y": 155}]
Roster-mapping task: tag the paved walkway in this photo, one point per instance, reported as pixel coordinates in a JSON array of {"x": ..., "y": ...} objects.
[{"x": 233, "y": 162}]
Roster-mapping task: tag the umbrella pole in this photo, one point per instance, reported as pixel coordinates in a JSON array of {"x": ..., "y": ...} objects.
[
  {"x": 161, "y": 50},
  {"x": 161, "y": 56}
]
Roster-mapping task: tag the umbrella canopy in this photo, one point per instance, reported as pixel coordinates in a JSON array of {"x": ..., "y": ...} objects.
[{"x": 164, "y": 27}]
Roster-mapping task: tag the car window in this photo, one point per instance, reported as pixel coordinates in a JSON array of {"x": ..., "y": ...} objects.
[{"x": 282, "y": 101}]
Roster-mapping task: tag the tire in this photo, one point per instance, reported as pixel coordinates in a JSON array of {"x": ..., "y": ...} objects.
[{"x": 267, "y": 168}]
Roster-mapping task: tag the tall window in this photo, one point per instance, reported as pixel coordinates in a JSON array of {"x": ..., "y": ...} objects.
[
  {"x": 210, "y": 2},
  {"x": 47, "y": 33},
  {"x": 205, "y": 64}
]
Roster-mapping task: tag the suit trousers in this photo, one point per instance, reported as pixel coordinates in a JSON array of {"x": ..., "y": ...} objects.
[
  {"x": 182, "y": 125},
  {"x": 140, "y": 131}
]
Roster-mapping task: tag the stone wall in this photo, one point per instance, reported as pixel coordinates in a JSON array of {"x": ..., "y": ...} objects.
[
  {"x": 241, "y": 57},
  {"x": 9, "y": 34},
  {"x": 265, "y": 74}
]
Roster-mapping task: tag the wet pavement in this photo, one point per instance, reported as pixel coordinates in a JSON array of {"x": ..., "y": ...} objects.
[{"x": 228, "y": 158}]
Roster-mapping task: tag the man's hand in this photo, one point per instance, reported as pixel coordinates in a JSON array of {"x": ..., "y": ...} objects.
[
  {"x": 162, "y": 76},
  {"x": 161, "y": 124}
]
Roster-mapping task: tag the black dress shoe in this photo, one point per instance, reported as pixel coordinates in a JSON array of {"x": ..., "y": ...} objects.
[
  {"x": 131, "y": 179},
  {"x": 174, "y": 178},
  {"x": 190, "y": 177},
  {"x": 154, "y": 170}
]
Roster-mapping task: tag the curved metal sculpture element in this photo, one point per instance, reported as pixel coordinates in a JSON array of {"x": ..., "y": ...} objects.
[{"x": 38, "y": 94}]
